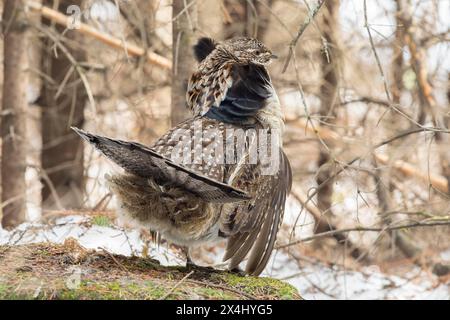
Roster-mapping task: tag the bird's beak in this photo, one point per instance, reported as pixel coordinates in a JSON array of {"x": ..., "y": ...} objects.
[{"x": 274, "y": 56}]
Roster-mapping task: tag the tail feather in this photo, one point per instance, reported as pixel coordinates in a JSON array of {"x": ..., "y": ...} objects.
[{"x": 142, "y": 161}]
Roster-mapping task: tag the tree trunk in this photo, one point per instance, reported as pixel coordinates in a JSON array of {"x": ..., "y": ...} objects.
[
  {"x": 395, "y": 121},
  {"x": 328, "y": 97},
  {"x": 404, "y": 242},
  {"x": 246, "y": 18},
  {"x": 183, "y": 38},
  {"x": 236, "y": 14},
  {"x": 14, "y": 110},
  {"x": 397, "y": 63},
  {"x": 62, "y": 151},
  {"x": 210, "y": 18},
  {"x": 263, "y": 19},
  {"x": 445, "y": 162}
]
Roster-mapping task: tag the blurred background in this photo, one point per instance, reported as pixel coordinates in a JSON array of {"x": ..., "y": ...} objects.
[{"x": 365, "y": 92}]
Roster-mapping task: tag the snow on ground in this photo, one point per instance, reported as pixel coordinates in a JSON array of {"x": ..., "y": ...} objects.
[
  {"x": 111, "y": 239},
  {"x": 313, "y": 280},
  {"x": 316, "y": 281}
]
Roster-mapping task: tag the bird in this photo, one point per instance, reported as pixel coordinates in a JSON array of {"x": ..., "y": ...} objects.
[{"x": 207, "y": 179}]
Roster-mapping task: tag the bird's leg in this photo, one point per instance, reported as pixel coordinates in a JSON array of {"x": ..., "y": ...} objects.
[
  {"x": 189, "y": 262},
  {"x": 191, "y": 265}
]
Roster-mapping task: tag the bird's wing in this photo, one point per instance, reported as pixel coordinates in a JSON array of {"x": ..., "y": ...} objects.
[
  {"x": 253, "y": 225},
  {"x": 145, "y": 162}
]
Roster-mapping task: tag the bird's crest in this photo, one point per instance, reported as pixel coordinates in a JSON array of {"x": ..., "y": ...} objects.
[{"x": 203, "y": 48}]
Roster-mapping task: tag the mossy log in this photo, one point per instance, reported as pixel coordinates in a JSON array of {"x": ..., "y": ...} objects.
[{"x": 68, "y": 271}]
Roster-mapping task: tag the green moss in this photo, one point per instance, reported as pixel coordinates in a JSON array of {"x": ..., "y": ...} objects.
[
  {"x": 146, "y": 290},
  {"x": 212, "y": 293},
  {"x": 40, "y": 271},
  {"x": 152, "y": 290},
  {"x": 4, "y": 290},
  {"x": 260, "y": 286},
  {"x": 118, "y": 290},
  {"x": 102, "y": 221},
  {"x": 88, "y": 290},
  {"x": 142, "y": 264},
  {"x": 12, "y": 292}
]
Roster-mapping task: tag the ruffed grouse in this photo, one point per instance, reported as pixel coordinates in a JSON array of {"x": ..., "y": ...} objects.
[{"x": 221, "y": 174}]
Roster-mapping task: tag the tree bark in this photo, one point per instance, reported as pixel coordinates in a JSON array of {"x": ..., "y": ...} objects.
[
  {"x": 183, "y": 37},
  {"x": 328, "y": 97},
  {"x": 246, "y": 18},
  {"x": 400, "y": 239},
  {"x": 14, "y": 111},
  {"x": 397, "y": 63},
  {"x": 62, "y": 152},
  {"x": 235, "y": 23},
  {"x": 263, "y": 19},
  {"x": 211, "y": 18},
  {"x": 395, "y": 121}
]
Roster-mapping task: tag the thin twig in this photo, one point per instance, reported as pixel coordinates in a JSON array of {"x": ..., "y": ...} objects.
[
  {"x": 372, "y": 45},
  {"x": 311, "y": 15},
  {"x": 366, "y": 229},
  {"x": 121, "y": 266},
  {"x": 176, "y": 286},
  {"x": 348, "y": 164},
  {"x": 74, "y": 63}
]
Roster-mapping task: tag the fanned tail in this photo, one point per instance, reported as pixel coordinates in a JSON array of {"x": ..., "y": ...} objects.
[{"x": 142, "y": 161}]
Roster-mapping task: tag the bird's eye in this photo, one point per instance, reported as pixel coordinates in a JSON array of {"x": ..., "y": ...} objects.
[{"x": 258, "y": 52}]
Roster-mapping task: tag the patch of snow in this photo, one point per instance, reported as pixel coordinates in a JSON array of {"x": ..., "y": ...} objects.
[
  {"x": 316, "y": 282},
  {"x": 111, "y": 239},
  {"x": 445, "y": 255},
  {"x": 104, "y": 11}
]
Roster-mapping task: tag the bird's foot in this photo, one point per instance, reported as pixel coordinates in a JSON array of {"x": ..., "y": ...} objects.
[{"x": 238, "y": 271}]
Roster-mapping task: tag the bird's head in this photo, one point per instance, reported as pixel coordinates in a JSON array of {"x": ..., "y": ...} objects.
[
  {"x": 249, "y": 50},
  {"x": 242, "y": 50}
]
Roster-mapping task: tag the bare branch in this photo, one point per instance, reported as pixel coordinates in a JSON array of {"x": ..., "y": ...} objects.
[
  {"x": 111, "y": 41},
  {"x": 309, "y": 18},
  {"x": 445, "y": 222}
]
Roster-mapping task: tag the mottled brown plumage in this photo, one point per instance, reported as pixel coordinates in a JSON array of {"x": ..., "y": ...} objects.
[{"x": 185, "y": 189}]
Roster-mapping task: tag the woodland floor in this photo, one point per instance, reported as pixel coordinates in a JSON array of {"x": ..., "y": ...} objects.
[{"x": 68, "y": 271}]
